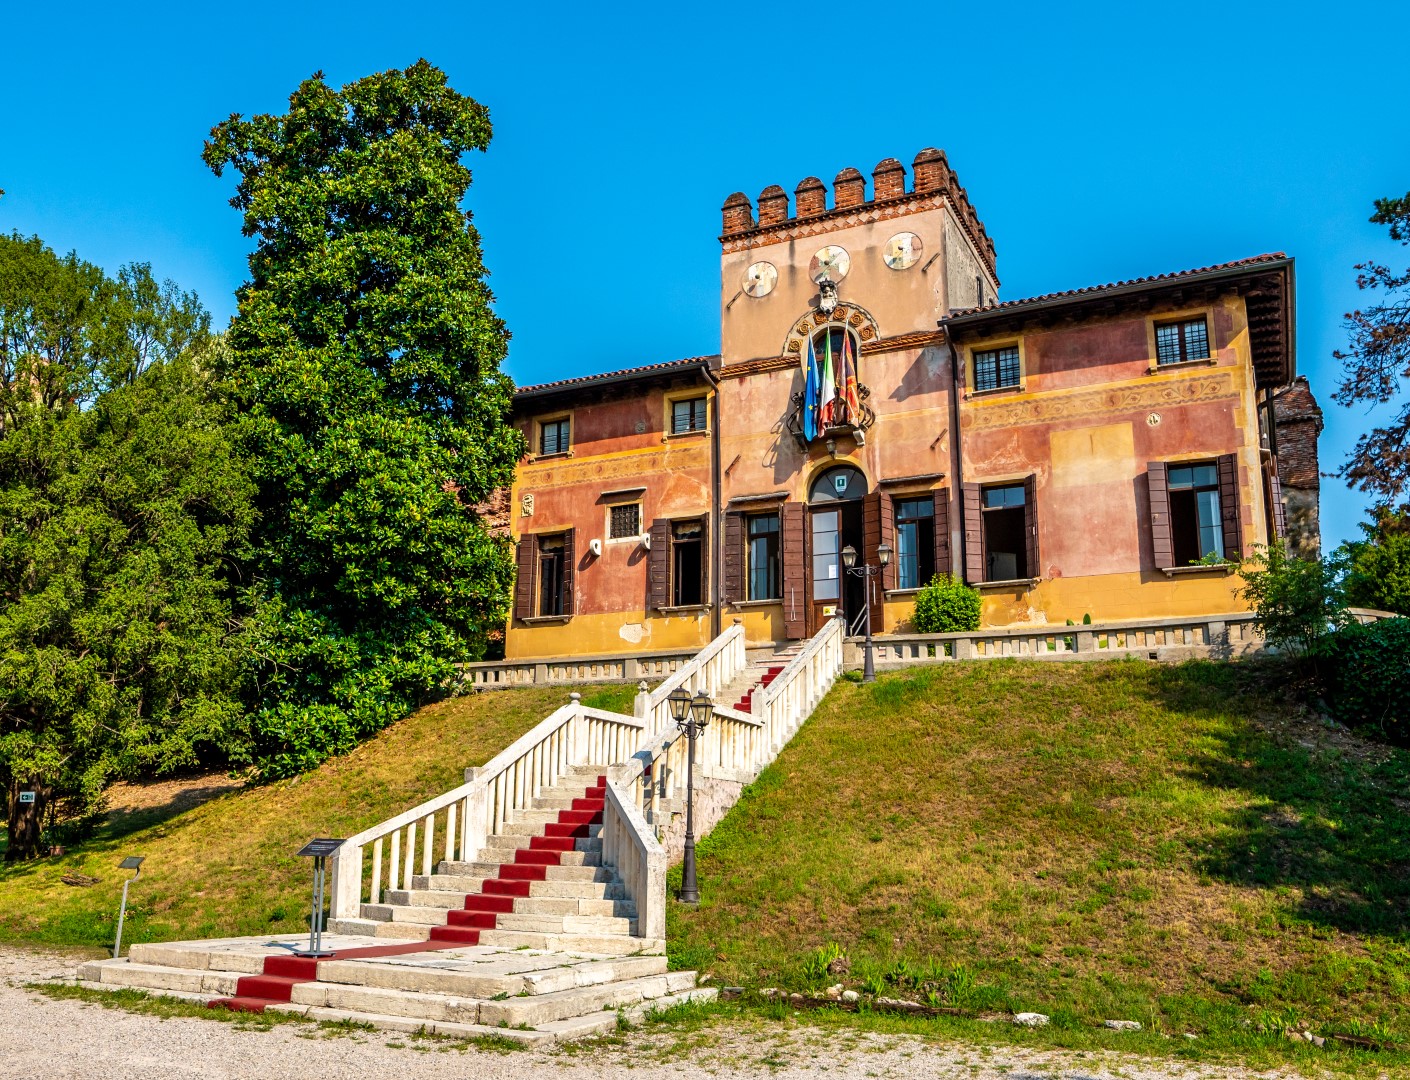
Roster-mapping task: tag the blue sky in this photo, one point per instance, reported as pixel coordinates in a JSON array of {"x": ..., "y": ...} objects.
[{"x": 1097, "y": 142}]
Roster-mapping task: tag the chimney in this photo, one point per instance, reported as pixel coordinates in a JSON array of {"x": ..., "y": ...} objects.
[
  {"x": 810, "y": 197},
  {"x": 849, "y": 189},
  {"x": 888, "y": 180},
  {"x": 739, "y": 214},
  {"x": 929, "y": 169},
  {"x": 773, "y": 205}
]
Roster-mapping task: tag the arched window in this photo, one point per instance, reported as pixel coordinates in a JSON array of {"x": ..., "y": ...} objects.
[{"x": 842, "y": 483}]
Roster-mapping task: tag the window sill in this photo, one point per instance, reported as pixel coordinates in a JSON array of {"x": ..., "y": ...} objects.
[
  {"x": 535, "y": 458},
  {"x": 1208, "y": 361},
  {"x": 1200, "y": 568},
  {"x": 535, "y": 620},
  {"x": 616, "y": 540},
  {"x": 681, "y": 609},
  {"x": 1017, "y": 388},
  {"x": 1013, "y": 583},
  {"x": 667, "y": 436},
  {"x": 900, "y": 594},
  {"x": 755, "y": 603}
]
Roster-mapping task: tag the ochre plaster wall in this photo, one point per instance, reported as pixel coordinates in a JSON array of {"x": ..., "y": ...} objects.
[{"x": 609, "y": 454}]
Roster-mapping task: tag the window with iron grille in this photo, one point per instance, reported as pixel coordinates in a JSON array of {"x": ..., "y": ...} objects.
[
  {"x": 625, "y": 521},
  {"x": 687, "y": 415},
  {"x": 995, "y": 368},
  {"x": 1176, "y": 342},
  {"x": 553, "y": 436}
]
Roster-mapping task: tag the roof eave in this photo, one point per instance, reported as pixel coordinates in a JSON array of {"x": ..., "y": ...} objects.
[{"x": 612, "y": 378}]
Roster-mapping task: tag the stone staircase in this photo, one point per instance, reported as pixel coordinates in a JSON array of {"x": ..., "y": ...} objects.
[
  {"x": 539, "y": 883},
  {"x": 759, "y": 673},
  {"x": 443, "y": 988}
]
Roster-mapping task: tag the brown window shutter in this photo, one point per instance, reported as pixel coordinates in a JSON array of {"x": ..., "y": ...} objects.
[
  {"x": 525, "y": 564},
  {"x": 794, "y": 523},
  {"x": 1030, "y": 523},
  {"x": 1275, "y": 496},
  {"x": 1162, "y": 543},
  {"x": 705, "y": 559},
  {"x": 1229, "y": 505},
  {"x": 734, "y": 560},
  {"x": 878, "y": 527},
  {"x": 942, "y": 532},
  {"x": 570, "y": 572},
  {"x": 658, "y": 567},
  {"x": 974, "y": 554}
]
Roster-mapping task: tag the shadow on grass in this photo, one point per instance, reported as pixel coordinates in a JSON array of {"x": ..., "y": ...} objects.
[{"x": 1327, "y": 816}]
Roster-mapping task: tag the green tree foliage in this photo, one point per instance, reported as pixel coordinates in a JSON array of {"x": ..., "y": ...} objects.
[
  {"x": 1297, "y": 602},
  {"x": 119, "y": 645},
  {"x": 1366, "y": 676},
  {"x": 946, "y": 606},
  {"x": 366, "y": 360},
  {"x": 1376, "y": 366},
  {"x": 1379, "y": 564}
]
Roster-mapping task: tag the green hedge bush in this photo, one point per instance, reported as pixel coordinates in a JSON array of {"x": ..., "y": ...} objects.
[
  {"x": 946, "y": 606},
  {"x": 1365, "y": 672}
]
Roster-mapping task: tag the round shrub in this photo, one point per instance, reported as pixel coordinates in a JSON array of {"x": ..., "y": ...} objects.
[
  {"x": 1365, "y": 670},
  {"x": 946, "y": 606}
]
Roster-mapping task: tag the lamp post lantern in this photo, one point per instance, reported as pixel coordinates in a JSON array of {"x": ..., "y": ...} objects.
[
  {"x": 692, "y": 717},
  {"x": 866, "y": 572}
]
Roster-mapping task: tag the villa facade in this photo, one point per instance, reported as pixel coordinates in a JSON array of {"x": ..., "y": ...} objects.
[{"x": 1101, "y": 452}]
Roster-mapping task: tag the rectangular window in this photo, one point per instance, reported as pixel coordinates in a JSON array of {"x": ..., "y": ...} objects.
[
  {"x": 625, "y": 522},
  {"x": 1177, "y": 342},
  {"x": 763, "y": 558},
  {"x": 996, "y": 368},
  {"x": 553, "y": 437},
  {"x": 1196, "y": 525},
  {"x": 915, "y": 542},
  {"x": 1005, "y": 538},
  {"x": 687, "y": 415},
  {"x": 551, "y": 555},
  {"x": 687, "y": 564}
]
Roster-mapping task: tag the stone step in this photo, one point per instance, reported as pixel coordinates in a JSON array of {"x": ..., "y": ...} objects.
[
  {"x": 575, "y": 871},
  {"x": 377, "y": 928},
  {"x": 404, "y": 914},
  {"x": 538, "y": 822},
  {"x": 446, "y": 980},
  {"x": 583, "y": 890},
  {"x": 443, "y": 900},
  {"x": 116, "y": 973},
  {"x": 546, "y": 1008},
  {"x": 505, "y": 847},
  {"x": 589, "y": 944}
]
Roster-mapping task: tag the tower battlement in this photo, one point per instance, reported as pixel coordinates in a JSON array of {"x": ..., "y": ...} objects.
[{"x": 932, "y": 180}]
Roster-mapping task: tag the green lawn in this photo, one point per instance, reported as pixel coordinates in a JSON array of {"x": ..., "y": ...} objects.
[
  {"x": 1122, "y": 840},
  {"x": 228, "y": 867}
]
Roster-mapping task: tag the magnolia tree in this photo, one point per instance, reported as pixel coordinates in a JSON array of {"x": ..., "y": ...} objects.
[{"x": 366, "y": 362}]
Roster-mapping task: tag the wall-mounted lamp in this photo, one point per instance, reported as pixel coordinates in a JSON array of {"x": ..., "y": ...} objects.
[
  {"x": 595, "y": 546},
  {"x": 646, "y": 542},
  {"x": 831, "y": 445}
]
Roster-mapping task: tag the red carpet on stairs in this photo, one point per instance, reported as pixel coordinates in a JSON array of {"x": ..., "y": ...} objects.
[{"x": 496, "y": 897}]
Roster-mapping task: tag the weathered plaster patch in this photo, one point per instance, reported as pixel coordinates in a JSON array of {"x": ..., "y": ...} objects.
[{"x": 632, "y": 632}]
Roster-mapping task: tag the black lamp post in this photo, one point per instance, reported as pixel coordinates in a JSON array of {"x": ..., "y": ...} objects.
[
  {"x": 692, "y": 716},
  {"x": 865, "y": 572}
]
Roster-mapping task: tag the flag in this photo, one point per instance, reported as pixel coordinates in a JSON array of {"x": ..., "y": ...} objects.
[
  {"x": 827, "y": 389},
  {"x": 810, "y": 394},
  {"x": 849, "y": 381}
]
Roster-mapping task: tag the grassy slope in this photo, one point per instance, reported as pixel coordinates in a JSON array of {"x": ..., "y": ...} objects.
[
  {"x": 228, "y": 867},
  {"x": 1116, "y": 840}
]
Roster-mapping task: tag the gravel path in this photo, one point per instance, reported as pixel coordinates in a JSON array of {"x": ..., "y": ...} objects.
[{"x": 72, "y": 1040}]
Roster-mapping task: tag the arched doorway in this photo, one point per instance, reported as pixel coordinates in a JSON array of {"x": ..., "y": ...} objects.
[{"x": 835, "y": 509}]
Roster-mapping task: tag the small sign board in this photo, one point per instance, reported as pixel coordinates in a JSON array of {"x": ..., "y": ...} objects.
[
  {"x": 321, "y": 848},
  {"x": 26, "y": 796},
  {"x": 132, "y": 862}
]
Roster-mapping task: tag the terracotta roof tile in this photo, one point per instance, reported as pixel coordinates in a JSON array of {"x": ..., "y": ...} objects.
[
  {"x": 647, "y": 369},
  {"x": 1095, "y": 289}
]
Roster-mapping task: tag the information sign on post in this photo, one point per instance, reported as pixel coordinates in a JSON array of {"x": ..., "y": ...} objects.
[{"x": 318, "y": 850}]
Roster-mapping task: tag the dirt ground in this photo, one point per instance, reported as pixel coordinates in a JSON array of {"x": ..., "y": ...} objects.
[{"x": 76, "y": 1040}]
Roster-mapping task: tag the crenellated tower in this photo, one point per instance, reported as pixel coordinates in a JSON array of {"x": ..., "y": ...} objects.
[{"x": 907, "y": 256}]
